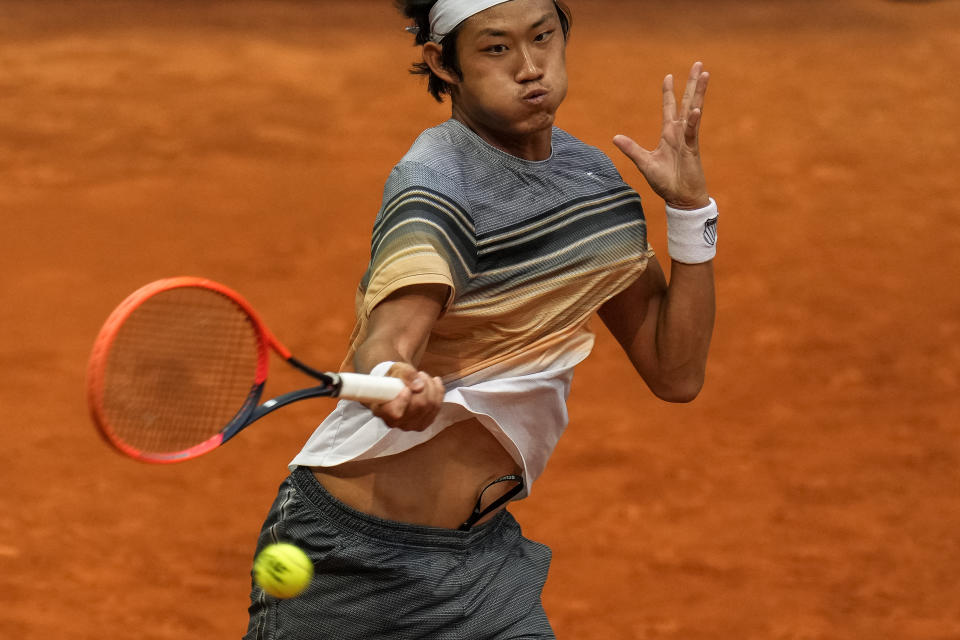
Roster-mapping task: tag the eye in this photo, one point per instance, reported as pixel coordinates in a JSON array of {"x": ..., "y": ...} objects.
[
  {"x": 496, "y": 48},
  {"x": 543, "y": 37}
]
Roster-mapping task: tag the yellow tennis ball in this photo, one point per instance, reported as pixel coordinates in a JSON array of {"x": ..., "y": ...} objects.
[{"x": 283, "y": 570}]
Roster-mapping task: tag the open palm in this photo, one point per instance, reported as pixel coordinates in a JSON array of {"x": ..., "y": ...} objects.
[{"x": 673, "y": 170}]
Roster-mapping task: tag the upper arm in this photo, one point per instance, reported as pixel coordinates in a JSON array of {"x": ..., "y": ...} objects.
[
  {"x": 423, "y": 234},
  {"x": 632, "y": 316},
  {"x": 420, "y": 238}
]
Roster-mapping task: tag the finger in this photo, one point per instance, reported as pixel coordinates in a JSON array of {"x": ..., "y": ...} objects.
[
  {"x": 394, "y": 410},
  {"x": 700, "y": 92},
  {"x": 429, "y": 399},
  {"x": 404, "y": 371},
  {"x": 423, "y": 407},
  {"x": 691, "y": 89},
  {"x": 420, "y": 419},
  {"x": 692, "y": 131},
  {"x": 417, "y": 382},
  {"x": 413, "y": 420},
  {"x": 437, "y": 390},
  {"x": 669, "y": 100},
  {"x": 639, "y": 155},
  {"x": 423, "y": 384}
]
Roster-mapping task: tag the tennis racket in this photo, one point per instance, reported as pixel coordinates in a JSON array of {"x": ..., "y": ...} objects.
[{"x": 179, "y": 367}]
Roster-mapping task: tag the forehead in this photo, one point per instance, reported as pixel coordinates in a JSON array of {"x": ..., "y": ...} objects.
[{"x": 515, "y": 15}]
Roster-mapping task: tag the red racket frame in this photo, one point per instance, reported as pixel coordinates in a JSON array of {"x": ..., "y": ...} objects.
[{"x": 96, "y": 370}]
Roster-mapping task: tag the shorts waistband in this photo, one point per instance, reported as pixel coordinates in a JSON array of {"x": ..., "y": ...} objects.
[{"x": 389, "y": 531}]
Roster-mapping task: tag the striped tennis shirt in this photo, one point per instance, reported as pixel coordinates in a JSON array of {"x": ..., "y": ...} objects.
[{"x": 529, "y": 251}]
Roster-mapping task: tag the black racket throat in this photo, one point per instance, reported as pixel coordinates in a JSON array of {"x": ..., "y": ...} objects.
[
  {"x": 252, "y": 412},
  {"x": 322, "y": 376}
]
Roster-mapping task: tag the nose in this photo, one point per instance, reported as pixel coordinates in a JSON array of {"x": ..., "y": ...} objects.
[{"x": 530, "y": 66}]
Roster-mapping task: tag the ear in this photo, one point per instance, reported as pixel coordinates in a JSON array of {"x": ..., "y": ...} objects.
[{"x": 433, "y": 56}]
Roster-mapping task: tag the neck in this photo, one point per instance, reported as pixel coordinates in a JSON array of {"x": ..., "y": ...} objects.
[{"x": 534, "y": 146}]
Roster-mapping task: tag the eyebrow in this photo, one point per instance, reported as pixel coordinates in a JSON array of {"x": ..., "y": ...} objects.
[{"x": 499, "y": 33}]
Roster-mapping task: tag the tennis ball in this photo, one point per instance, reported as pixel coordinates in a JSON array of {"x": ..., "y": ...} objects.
[{"x": 283, "y": 570}]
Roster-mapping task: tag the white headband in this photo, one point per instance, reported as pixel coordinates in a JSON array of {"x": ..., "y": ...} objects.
[{"x": 446, "y": 15}]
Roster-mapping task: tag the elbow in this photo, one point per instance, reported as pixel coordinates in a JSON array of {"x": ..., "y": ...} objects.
[{"x": 679, "y": 391}]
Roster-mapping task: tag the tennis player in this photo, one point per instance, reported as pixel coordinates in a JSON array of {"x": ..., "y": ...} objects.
[{"x": 499, "y": 236}]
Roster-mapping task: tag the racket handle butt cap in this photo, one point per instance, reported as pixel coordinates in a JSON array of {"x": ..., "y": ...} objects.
[{"x": 364, "y": 388}]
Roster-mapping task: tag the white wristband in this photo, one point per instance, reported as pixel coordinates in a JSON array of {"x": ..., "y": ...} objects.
[
  {"x": 692, "y": 235},
  {"x": 382, "y": 369}
]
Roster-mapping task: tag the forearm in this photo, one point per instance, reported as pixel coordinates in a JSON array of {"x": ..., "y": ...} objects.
[
  {"x": 684, "y": 329},
  {"x": 668, "y": 335},
  {"x": 398, "y": 329},
  {"x": 375, "y": 350}
]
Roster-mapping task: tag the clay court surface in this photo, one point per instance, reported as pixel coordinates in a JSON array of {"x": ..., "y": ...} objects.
[{"x": 811, "y": 492}]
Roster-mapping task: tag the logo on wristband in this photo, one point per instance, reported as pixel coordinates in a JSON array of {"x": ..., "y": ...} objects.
[{"x": 710, "y": 231}]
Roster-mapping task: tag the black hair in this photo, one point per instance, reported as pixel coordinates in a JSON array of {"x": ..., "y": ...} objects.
[{"x": 419, "y": 12}]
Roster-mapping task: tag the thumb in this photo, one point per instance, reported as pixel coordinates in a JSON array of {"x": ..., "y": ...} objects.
[
  {"x": 409, "y": 374},
  {"x": 632, "y": 150}
]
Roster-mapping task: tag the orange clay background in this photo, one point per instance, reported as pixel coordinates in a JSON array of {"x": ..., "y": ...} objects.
[{"x": 811, "y": 492}]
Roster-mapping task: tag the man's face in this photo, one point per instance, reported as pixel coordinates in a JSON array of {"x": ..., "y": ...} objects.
[{"x": 512, "y": 57}]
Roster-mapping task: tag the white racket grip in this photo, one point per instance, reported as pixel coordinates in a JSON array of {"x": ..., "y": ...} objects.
[{"x": 364, "y": 388}]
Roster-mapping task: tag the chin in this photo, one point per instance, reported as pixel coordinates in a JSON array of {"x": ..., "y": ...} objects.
[
  {"x": 542, "y": 118},
  {"x": 536, "y": 123}
]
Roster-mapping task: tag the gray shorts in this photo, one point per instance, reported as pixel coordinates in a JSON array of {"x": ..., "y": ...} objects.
[{"x": 377, "y": 579}]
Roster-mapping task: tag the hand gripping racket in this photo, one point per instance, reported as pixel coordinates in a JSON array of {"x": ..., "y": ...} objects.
[{"x": 179, "y": 367}]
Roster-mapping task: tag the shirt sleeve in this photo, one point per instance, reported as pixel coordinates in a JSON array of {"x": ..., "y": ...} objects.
[{"x": 423, "y": 235}]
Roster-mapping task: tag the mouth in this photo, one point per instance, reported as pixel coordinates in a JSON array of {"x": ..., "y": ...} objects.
[{"x": 535, "y": 96}]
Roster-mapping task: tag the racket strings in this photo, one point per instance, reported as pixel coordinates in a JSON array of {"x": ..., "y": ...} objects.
[{"x": 181, "y": 367}]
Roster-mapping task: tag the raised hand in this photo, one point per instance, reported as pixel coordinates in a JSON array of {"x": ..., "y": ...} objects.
[{"x": 673, "y": 170}]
